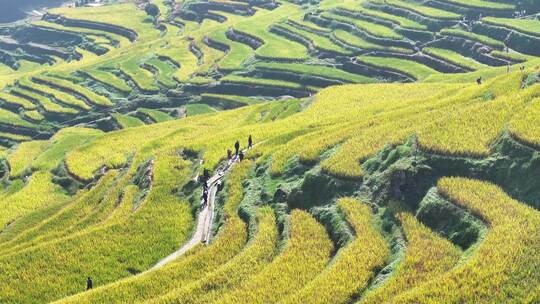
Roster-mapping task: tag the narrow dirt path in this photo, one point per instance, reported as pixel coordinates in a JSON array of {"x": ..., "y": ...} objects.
[{"x": 205, "y": 218}]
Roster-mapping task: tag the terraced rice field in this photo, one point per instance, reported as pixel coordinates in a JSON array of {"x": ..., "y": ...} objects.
[
  {"x": 117, "y": 55},
  {"x": 395, "y": 157}
]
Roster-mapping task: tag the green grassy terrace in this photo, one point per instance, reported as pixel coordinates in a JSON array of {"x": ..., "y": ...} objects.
[
  {"x": 412, "y": 68},
  {"x": 322, "y": 71}
]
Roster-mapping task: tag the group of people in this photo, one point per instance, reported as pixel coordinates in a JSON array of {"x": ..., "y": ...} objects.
[
  {"x": 237, "y": 151},
  {"x": 206, "y": 174}
]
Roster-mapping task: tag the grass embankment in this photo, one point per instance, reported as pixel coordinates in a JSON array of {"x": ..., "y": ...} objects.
[
  {"x": 237, "y": 52},
  {"x": 315, "y": 70},
  {"x": 455, "y": 58},
  {"x": 108, "y": 78},
  {"x": 379, "y": 15},
  {"x": 274, "y": 47},
  {"x": 376, "y": 30},
  {"x": 408, "y": 67},
  {"x": 481, "y": 4},
  {"x": 143, "y": 79},
  {"x": 155, "y": 115},
  {"x": 360, "y": 43},
  {"x": 418, "y": 108},
  {"x": 474, "y": 37},
  {"x": 198, "y": 109},
  {"x": 318, "y": 41},
  {"x": 422, "y": 10},
  {"x": 126, "y": 121},
  {"x": 165, "y": 71},
  {"x": 527, "y": 26}
]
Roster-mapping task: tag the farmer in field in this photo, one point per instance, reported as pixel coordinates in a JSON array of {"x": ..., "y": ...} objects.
[
  {"x": 236, "y": 147},
  {"x": 479, "y": 80},
  {"x": 250, "y": 142},
  {"x": 89, "y": 283}
]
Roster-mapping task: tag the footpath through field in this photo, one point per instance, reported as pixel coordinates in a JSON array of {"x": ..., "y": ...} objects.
[{"x": 206, "y": 215}]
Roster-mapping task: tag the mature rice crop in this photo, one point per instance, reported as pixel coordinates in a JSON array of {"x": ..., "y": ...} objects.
[
  {"x": 355, "y": 265},
  {"x": 96, "y": 99},
  {"x": 111, "y": 114},
  {"x": 307, "y": 252},
  {"x": 187, "y": 269},
  {"x": 59, "y": 96},
  {"x": 38, "y": 192},
  {"x": 501, "y": 268},
  {"x": 427, "y": 257},
  {"x": 34, "y": 115},
  {"x": 20, "y": 159},
  {"x": 16, "y": 101},
  {"x": 258, "y": 253},
  {"x": 76, "y": 231},
  {"x": 124, "y": 14},
  {"x": 45, "y": 102}
]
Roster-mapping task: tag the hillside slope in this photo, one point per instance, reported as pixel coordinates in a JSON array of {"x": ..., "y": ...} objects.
[
  {"x": 386, "y": 144},
  {"x": 395, "y": 152}
]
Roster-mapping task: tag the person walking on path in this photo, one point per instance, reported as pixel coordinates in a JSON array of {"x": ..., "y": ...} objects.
[
  {"x": 205, "y": 197},
  {"x": 250, "y": 142},
  {"x": 89, "y": 283},
  {"x": 206, "y": 175},
  {"x": 236, "y": 147}
]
